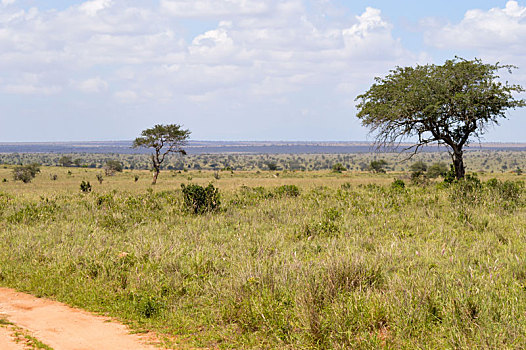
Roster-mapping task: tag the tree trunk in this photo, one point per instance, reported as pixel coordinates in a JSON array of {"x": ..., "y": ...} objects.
[
  {"x": 458, "y": 164},
  {"x": 155, "y": 175}
]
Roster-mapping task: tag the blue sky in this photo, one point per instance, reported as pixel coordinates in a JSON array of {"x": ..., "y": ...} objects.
[{"x": 231, "y": 69}]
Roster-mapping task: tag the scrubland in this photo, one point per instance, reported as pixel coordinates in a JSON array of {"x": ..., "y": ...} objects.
[{"x": 348, "y": 261}]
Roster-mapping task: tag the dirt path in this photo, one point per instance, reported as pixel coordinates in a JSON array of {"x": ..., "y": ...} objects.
[{"x": 49, "y": 323}]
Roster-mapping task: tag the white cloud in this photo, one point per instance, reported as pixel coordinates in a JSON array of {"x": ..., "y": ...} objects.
[
  {"x": 260, "y": 55},
  {"x": 496, "y": 35},
  {"x": 498, "y": 29},
  {"x": 93, "y": 85},
  {"x": 214, "y": 8},
  {"x": 94, "y": 6},
  {"x": 275, "y": 48}
]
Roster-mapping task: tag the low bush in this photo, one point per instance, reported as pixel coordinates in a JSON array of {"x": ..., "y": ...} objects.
[
  {"x": 85, "y": 186},
  {"x": 287, "y": 191},
  {"x": 26, "y": 173},
  {"x": 338, "y": 168},
  {"x": 199, "y": 199},
  {"x": 398, "y": 184}
]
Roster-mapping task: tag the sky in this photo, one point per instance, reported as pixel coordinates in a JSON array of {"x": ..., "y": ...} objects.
[{"x": 285, "y": 70}]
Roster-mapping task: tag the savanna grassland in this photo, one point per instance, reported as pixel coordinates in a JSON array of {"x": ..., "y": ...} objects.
[{"x": 291, "y": 260}]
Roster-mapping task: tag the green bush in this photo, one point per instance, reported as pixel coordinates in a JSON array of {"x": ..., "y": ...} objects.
[
  {"x": 436, "y": 170},
  {"x": 398, "y": 184},
  {"x": 508, "y": 192},
  {"x": 418, "y": 166},
  {"x": 85, "y": 186},
  {"x": 112, "y": 166},
  {"x": 378, "y": 166},
  {"x": 467, "y": 190},
  {"x": 199, "y": 199},
  {"x": 338, "y": 168},
  {"x": 329, "y": 224},
  {"x": 450, "y": 177},
  {"x": 26, "y": 173},
  {"x": 288, "y": 191}
]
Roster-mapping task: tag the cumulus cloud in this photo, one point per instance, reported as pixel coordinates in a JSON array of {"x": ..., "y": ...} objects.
[
  {"x": 273, "y": 48},
  {"x": 260, "y": 53},
  {"x": 94, "y": 6},
  {"x": 495, "y": 35},
  {"x": 214, "y": 8},
  {"x": 492, "y": 30}
]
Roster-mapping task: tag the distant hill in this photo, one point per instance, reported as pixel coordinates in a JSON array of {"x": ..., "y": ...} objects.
[{"x": 214, "y": 147}]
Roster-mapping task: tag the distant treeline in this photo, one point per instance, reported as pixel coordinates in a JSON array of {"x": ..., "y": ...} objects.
[{"x": 477, "y": 161}]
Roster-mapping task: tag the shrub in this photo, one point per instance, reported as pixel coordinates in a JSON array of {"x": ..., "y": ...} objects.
[
  {"x": 346, "y": 186},
  {"x": 398, "y": 184},
  {"x": 436, "y": 170},
  {"x": 450, "y": 177},
  {"x": 288, "y": 191},
  {"x": 199, "y": 199},
  {"x": 85, "y": 186},
  {"x": 418, "y": 166},
  {"x": 272, "y": 166},
  {"x": 65, "y": 161},
  {"x": 467, "y": 190},
  {"x": 136, "y": 178},
  {"x": 26, "y": 173},
  {"x": 338, "y": 168},
  {"x": 507, "y": 191},
  {"x": 418, "y": 177},
  {"x": 378, "y": 166},
  {"x": 100, "y": 178},
  {"x": 112, "y": 166},
  {"x": 329, "y": 224}
]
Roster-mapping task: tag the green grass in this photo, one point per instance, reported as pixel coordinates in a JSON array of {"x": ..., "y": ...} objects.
[{"x": 350, "y": 262}]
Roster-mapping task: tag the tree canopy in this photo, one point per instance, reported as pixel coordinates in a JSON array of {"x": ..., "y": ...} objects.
[
  {"x": 449, "y": 104},
  {"x": 164, "y": 139}
]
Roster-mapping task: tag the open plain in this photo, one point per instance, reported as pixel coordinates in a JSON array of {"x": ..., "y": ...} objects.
[{"x": 290, "y": 259}]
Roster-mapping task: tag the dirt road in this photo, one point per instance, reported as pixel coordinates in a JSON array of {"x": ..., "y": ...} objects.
[{"x": 27, "y": 322}]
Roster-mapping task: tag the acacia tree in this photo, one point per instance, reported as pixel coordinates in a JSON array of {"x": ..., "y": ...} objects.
[
  {"x": 164, "y": 139},
  {"x": 448, "y": 104}
]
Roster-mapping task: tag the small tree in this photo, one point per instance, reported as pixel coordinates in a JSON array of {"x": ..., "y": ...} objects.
[
  {"x": 272, "y": 166},
  {"x": 112, "y": 166},
  {"x": 448, "y": 104},
  {"x": 164, "y": 139},
  {"x": 378, "y": 166},
  {"x": 26, "y": 173},
  {"x": 338, "y": 168},
  {"x": 418, "y": 166},
  {"x": 437, "y": 169},
  {"x": 65, "y": 161}
]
